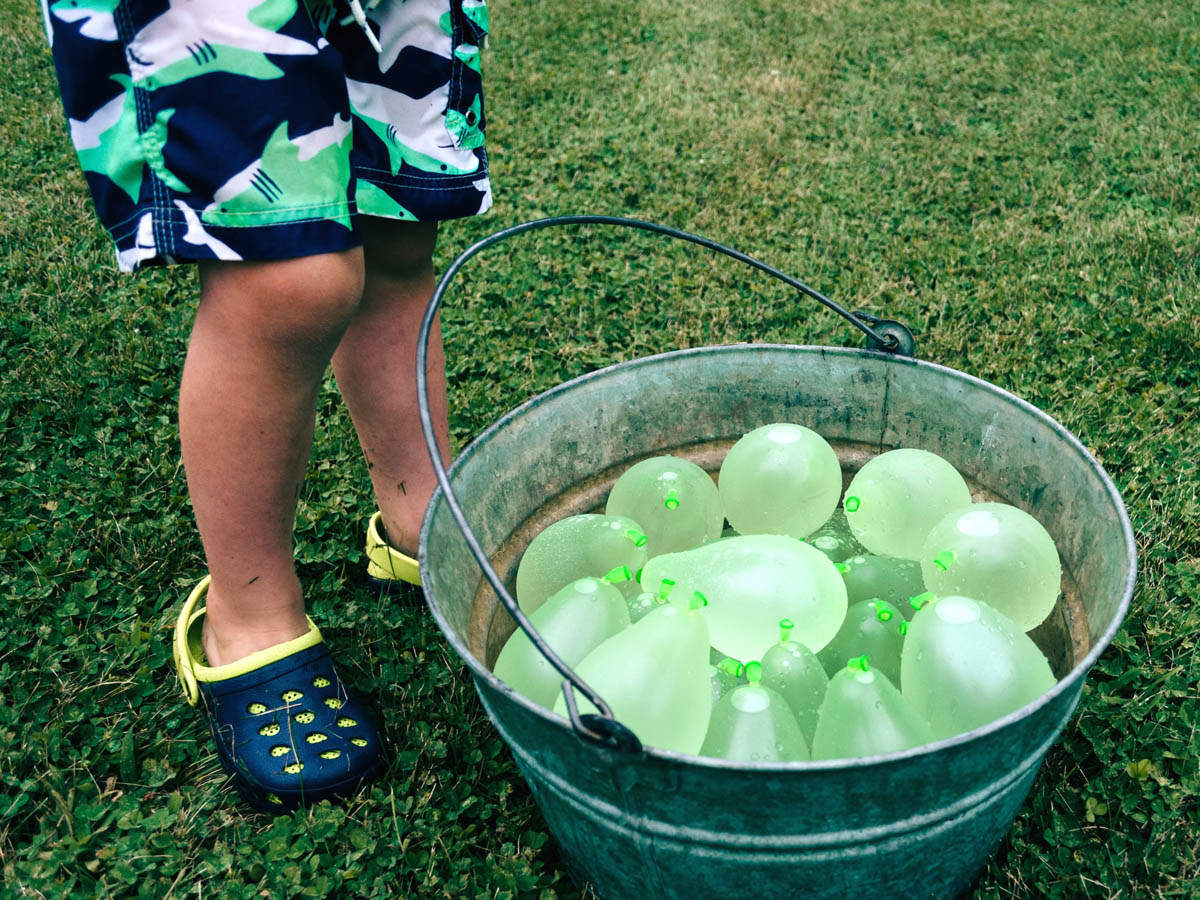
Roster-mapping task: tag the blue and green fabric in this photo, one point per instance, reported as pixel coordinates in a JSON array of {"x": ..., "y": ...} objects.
[
  {"x": 285, "y": 726},
  {"x": 262, "y": 129}
]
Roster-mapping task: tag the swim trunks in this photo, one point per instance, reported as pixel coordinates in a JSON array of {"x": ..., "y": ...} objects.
[{"x": 262, "y": 129}]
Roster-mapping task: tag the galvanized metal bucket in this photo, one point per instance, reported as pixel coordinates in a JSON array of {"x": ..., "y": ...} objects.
[{"x": 644, "y": 823}]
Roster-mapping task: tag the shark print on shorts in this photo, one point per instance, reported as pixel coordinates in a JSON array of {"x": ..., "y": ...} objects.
[{"x": 263, "y": 129}]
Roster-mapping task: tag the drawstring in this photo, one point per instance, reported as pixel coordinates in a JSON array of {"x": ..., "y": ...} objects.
[{"x": 358, "y": 15}]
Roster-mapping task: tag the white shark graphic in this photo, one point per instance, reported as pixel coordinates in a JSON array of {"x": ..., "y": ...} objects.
[
  {"x": 484, "y": 185},
  {"x": 198, "y": 236},
  {"x": 309, "y": 145},
  {"x": 85, "y": 133},
  {"x": 402, "y": 25},
  {"x": 97, "y": 17},
  {"x": 419, "y": 124},
  {"x": 190, "y": 29},
  {"x": 143, "y": 245}
]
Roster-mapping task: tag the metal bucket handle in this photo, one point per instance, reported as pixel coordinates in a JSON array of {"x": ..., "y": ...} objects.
[{"x": 882, "y": 334}]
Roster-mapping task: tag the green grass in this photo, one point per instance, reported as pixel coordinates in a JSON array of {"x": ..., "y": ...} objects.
[{"x": 1016, "y": 180}]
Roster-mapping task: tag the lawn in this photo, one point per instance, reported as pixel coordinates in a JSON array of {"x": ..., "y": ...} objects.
[{"x": 1018, "y": 181}]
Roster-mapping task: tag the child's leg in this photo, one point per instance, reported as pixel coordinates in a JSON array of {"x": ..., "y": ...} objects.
[
  {"x": 376, "y": 372},
  {"x": 263, "y": 336}
]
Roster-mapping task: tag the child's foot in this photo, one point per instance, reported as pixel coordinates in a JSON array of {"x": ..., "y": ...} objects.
[
  {"x": 285, "y": 727},
  {"x": 387, "y": 567}
]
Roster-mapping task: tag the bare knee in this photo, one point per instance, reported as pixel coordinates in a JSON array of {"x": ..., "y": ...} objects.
[
  {"x": 302, "y": 302},
  {"x": 398, "y": 250}
]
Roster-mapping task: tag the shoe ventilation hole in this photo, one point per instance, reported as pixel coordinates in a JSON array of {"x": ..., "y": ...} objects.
[
  {"x": 333, "y": 702},
  {"x": 274, "y": 798},
  {"x": 346, "y": 722},
  {"x": 256, "y": 709},
  {"x": 291, "y": 696},
  {"x": 359, "y": 742},
  {"x": 280, "y": 750},
  {"x": 316, "y": 737},
  {"x": 331, "y": 754},
  {"x": 305, "y": 717},
  {"x": 294, "y": 768},
  {"x": 269, "y": 730},
  {"x": 320, "y": 682}
]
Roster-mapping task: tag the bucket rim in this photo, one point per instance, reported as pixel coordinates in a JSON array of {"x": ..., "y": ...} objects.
[{"x": 1066, "y": 683}]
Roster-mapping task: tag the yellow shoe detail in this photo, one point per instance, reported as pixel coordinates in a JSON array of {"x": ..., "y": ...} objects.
[
  {"x": 188, "y": 650},
  {"x": 333, "y": 702},
  {"x": 331, "y": 754},
  {"x": 290, "y": 696},
  {"x": 346, "y": 722},
  {"x": 359, "y": 742},
  {"x": 280, "y": 751},
  {"x": 294, "y": 768},
  {"x": 320, "y": 682},
  {"x": 269, "y": 730},
  {"x": 386, "y": 563},
  {"x": 305, "y": 717},
  {"x": 316, "y": 737}
]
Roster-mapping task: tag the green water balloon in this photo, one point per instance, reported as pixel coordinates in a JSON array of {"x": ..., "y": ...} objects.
[
  {"x": 751, "y": 582},
  {"x": 640, "y": 605},
  {"x": 753, "y": 723},
  {"x": 997, "y": 554},
  {"x": 654, "y": 675},
  {"x": 965, "y": 664},
  {"x": 582, "y": 546},
  {"x": 574, "y": 621},
  {"x": 894, "y": 580},
  {"x": 780, "y": 479},
  {"x": 674, "y": 501},
  {"x": 897, "y": 496},
  {"x": 872, "y": 628},
  {"x": 793, "y": 671},
  {"x": 865, "y": 715},
  {"x": 835, "y": 539},
  {"x": 724, "y": 677}
]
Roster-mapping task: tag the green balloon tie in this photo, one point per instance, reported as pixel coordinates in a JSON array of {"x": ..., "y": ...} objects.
[
  {"x": 672, "y": 499},
  {"x": 785, "y": 629},
  {"x": 859, "y": 663},
  {"x": 883, "y": 615},
  {"x": 852, "y": 503},
  {"x": 698, "y": 601},
  {"x": 944, "y": 560},
  {"x": 842, "y": 568},
  {"x": 754, "y": 672},
  {"x": 665, "y": 588},
  {"x": 902, "y": 628},
  {"x": 921, "y": 599},
  {"x": 619, "y": 574},
  {"x": 639, "y": 539},
  {"x": 731, "y": 666}
]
